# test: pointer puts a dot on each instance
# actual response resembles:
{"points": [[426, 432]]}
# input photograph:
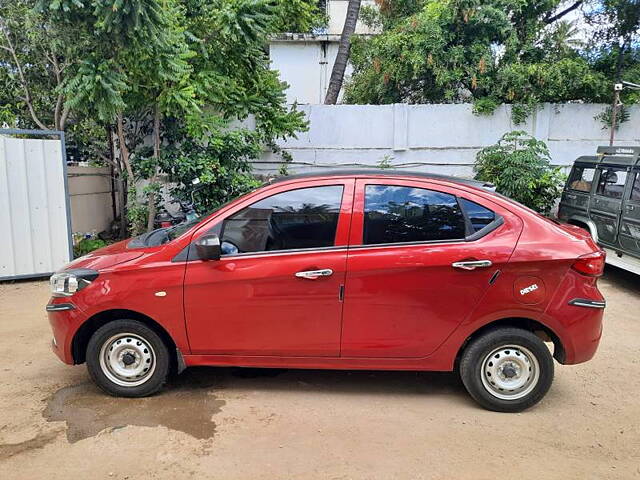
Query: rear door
{"points": [[606, 202], [629, 234], [421, 257]]}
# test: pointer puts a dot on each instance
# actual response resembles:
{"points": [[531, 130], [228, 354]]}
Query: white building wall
{"points": [[337, 12], [305, 61], [305, 64], [437, 138]]}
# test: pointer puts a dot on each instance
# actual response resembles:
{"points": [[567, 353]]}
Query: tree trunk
{"points": [[151, 203], [114, 171], [122, 147], [124, 165], [337, 73]]}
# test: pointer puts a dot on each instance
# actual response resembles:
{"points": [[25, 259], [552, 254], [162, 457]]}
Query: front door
{"points": [[421, 257], [629, 235], [606, 203], [277, 288]]}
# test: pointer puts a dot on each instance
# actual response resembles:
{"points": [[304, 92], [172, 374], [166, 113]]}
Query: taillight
{"points": [[591, 264]]}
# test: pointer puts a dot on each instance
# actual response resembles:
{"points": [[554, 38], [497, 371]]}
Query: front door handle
{"points": [[472, 264], [314, 274]]}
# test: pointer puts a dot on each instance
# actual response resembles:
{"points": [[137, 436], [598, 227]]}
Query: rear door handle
{"points": [[314, 274], [472, 264]]}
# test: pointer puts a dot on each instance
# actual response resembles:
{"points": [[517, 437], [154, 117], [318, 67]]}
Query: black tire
{"points": [[158, 365], [500, 343]]}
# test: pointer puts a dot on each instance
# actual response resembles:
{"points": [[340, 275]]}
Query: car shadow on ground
{"points": [[326, 381], [190, 401]]}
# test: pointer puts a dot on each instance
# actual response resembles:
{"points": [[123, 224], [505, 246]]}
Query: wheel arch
{"points": [[88, 328], [585, 223], [542, 331]]}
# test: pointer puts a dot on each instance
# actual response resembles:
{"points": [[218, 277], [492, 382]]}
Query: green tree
{"points": [[186, 73], [487, 52], [35, 60]]}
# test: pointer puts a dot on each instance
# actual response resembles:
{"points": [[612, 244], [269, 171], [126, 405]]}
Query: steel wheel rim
{"points": [[510, 372], [118, 351]]}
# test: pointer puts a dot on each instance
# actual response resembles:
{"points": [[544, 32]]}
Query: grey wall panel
{"points": [[7, 254], [33, 210]]}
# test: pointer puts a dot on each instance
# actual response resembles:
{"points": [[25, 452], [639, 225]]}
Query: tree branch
{"points": [[562, 13]]}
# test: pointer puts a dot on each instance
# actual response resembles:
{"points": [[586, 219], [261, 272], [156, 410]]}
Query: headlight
{"points": [[68, 282]]}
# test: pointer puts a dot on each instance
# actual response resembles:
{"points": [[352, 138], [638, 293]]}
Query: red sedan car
{"points": [[351, 270]]}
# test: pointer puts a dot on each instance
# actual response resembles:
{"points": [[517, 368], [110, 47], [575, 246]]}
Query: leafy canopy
{"points": [[491, 52]]}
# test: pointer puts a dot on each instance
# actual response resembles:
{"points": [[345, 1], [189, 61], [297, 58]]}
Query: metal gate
{"points": [[35, 219]]}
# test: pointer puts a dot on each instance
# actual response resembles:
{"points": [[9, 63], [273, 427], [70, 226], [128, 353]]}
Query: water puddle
{"points": [[187, 405]]}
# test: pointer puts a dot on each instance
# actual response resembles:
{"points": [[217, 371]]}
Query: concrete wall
{"points": [[90, 195], [437, 138]]}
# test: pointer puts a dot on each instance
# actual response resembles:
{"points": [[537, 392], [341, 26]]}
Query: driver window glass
{"points": [[581, 179], [611, 182], [303, 218]]}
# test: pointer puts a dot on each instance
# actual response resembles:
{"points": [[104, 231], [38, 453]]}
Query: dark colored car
{"points": [[350, 270], [602, 195]]}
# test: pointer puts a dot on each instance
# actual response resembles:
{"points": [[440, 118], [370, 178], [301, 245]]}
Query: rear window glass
{"points": [[479, 216], [635, 192], [396, 214], [611, 182], [581, 179]]}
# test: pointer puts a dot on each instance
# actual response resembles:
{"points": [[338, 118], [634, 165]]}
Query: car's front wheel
{"points": [[507, 369], [126, 358]]}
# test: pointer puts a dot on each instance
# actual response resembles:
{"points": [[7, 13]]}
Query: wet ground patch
{"points": [[187, 405]]}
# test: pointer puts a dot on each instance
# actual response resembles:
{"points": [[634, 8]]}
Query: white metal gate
{"points": [[35, 221]]}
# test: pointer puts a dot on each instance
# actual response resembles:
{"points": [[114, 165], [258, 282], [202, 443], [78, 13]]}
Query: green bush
{"points": [[87, 245], [520, 167]]}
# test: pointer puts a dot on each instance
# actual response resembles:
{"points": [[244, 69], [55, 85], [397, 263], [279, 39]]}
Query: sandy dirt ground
{"points": [[275, 424]]}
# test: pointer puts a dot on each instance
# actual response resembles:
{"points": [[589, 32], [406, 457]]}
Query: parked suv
{"points": [[351, 270], [602, 195]]}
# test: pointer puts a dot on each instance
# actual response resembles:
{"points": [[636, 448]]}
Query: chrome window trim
{"points": [[292, 251]]}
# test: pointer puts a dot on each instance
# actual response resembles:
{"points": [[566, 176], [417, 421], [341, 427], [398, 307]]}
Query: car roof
{"points": [[625, 156], [372, 172]]}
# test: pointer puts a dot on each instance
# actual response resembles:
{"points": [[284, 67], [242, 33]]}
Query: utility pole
{"points": [[617, 88]]}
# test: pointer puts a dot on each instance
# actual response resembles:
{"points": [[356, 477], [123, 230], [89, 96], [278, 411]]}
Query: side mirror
{"points": [[208, 247]]}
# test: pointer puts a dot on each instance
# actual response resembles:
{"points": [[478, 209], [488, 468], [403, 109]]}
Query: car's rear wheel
{"points": [[507, 369], [126, 358]]}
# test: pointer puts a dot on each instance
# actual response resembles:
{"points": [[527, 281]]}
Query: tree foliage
{"points": [[182, 87], [492, 51]]}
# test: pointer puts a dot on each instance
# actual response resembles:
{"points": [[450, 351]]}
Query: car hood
{"points": [[106, 257]]}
